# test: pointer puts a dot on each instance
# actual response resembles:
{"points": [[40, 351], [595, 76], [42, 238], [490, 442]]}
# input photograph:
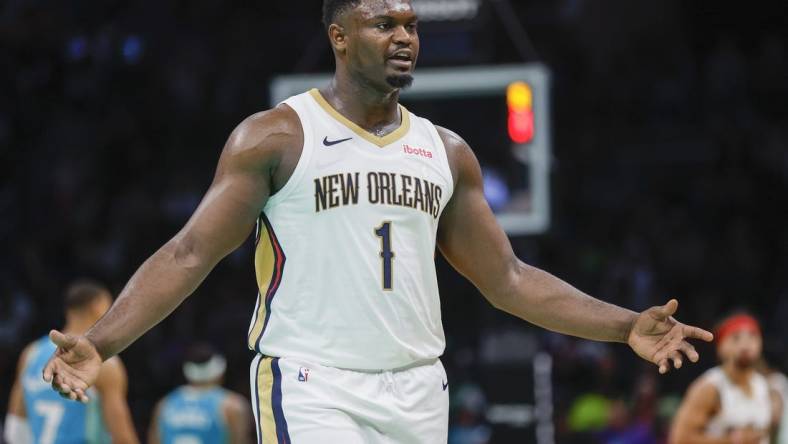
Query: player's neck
{"points": [[202, 385], [738, 375], [365, 105]]}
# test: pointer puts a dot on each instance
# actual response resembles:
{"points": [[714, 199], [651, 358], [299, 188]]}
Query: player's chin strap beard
{"points": [[400, 81]]}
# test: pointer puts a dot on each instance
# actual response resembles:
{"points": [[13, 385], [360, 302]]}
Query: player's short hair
{"points": [[333, 8], [83, 292], [203, 364], [199, 353]]}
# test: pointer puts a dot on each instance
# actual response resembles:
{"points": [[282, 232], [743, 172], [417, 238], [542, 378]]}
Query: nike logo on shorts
{"points": [[327, 142], [445, 385]]}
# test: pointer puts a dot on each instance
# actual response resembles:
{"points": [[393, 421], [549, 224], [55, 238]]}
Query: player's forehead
{"points": [[369, 9]]}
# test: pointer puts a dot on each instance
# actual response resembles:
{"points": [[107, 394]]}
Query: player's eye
{"points": [[413, 27], [383, 26]]}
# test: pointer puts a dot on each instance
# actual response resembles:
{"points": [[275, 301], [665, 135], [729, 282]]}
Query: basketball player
{"points": [[38, 415], [351, 194], [732, 403], [201, 411]]}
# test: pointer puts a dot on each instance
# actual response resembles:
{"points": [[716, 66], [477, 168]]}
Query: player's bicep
{"points": [[229, 210], [469, 235]]}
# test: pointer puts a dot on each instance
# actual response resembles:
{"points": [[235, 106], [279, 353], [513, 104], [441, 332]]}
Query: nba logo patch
{"points": [[303, 374]]}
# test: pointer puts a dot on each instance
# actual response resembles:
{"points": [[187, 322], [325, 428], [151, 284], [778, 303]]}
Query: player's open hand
{"points": [[659, 338], [73, 367]]}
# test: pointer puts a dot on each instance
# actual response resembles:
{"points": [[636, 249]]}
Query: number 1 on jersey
{"points": [[386, 255]]}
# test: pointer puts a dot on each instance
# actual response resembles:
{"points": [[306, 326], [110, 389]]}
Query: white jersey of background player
{"points": [[352, 195], [732, 403]]}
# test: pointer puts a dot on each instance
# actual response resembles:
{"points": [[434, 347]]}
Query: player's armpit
{"points": [[700, 404], [237, 412], [112, 384]]}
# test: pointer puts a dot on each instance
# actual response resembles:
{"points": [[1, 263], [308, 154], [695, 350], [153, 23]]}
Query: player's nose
{"points": [[402, 36]]}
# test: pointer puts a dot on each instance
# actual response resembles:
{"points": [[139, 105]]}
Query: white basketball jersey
{"points": [[345, 255], [738, 410]]}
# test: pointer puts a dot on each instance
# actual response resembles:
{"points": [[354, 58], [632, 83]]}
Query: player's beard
{"points": [[400, 81], [743, 362]]}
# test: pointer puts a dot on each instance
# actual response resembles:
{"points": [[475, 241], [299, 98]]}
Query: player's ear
{"points": [[338, 37]]}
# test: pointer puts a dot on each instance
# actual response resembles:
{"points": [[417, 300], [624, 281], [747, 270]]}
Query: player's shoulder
{"points": [[234, 402], [26, 354], [462, 160], [265, 131], [704, 390], [451, 140]]}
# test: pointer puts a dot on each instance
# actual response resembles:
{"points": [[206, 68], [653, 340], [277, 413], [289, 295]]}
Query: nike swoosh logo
{"points": [[445, 385], [327, 142]]}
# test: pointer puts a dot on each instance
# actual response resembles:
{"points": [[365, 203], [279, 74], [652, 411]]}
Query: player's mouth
{"points": [[402, 59]]}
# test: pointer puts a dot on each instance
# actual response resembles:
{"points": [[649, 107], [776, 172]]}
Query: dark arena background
{"points": [[665, 127]]}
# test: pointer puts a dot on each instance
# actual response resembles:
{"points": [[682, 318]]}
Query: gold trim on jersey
{"points": [[381, 142], [269, 262], [265, 384]]}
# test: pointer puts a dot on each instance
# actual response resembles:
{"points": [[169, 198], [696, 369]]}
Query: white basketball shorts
{"points": [[297, 402]]}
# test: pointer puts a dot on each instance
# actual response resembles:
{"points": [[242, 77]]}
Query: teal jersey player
{"points": [[193, 416], [52, 418], [37, 414], [202, 412]]}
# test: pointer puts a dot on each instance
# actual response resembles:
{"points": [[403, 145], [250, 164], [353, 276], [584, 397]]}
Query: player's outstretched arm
{"points": [[223, 220], [472, 241]]}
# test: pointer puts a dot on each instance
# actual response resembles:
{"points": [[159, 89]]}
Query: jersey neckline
{"points": [[381, 142]]}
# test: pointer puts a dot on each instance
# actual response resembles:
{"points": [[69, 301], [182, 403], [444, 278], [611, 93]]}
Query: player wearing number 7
{"points": [[38, 415], [351, 194]]}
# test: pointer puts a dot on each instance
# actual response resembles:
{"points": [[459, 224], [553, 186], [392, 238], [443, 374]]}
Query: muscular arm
{"points": [[260, 151], [112, 384], [473, 242], [223, 220], [237, 412]]}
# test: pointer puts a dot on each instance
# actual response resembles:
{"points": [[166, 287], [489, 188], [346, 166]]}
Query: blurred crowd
{"points": [[670, 180]]}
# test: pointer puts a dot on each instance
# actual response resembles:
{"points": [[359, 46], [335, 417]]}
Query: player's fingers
{"points": [[49, 370], [665, 311], [663, 366], [697, 333], [60, 385], [689, 350], [675, 356], [62, 340], [81, 396]]}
